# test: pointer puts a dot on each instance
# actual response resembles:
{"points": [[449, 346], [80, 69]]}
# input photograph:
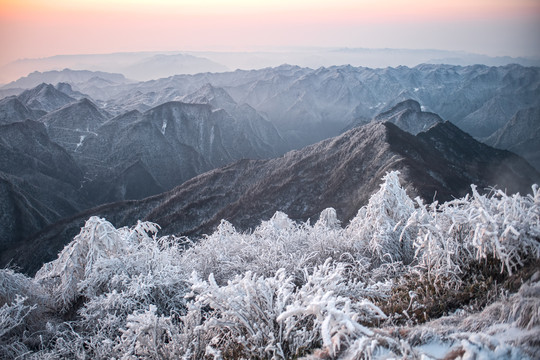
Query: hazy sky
{"points": [[40, 28]]}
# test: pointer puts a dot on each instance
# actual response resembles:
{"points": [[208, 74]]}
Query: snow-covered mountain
{"points": [[308, 105]]}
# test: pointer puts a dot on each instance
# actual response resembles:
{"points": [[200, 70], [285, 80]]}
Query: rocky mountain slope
{"points": [[71, 124], [520, 135], [341, 172], [39, 181], [44, 97], [13, 110], [408, 116], [168, 145], [266, 135]]}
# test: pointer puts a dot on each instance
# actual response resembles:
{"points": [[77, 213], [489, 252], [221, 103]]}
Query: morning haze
{"points": [[36, 29]]}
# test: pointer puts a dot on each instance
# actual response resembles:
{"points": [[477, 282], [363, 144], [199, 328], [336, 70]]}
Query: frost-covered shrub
{"points": [[453, 235], [101, 259], [334, 318], [278, 243], [291, 289], [241, 316], [269, 317], [97, 239], [24, 310], [506, 227], [148, 336], [13, 325], [377, 229]]}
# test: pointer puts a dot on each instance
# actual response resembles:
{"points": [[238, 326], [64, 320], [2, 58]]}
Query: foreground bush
{"points": [[404, 279]]}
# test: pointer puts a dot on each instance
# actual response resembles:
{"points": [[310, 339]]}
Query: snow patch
{"points": [[81, 139], [434, 350], [164, 126]]}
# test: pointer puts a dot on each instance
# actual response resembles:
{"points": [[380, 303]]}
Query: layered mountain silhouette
{"points": [[64, 76], [341, 172], [164, 65], [307, 105]]}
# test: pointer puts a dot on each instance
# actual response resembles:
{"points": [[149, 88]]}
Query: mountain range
{"points": [[340, 172], [307, 105], [58, 163], [151, 65], [188, 151]]}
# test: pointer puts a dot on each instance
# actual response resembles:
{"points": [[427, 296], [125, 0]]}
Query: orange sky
{"points": [[39, 28]]}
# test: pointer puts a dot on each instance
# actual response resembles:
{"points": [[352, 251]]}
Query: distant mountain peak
{"points": [[64, 86], [408, 116], [37, 78], [13, 110], [70, 124], [409, 104], [45, 97], [212, 95]]}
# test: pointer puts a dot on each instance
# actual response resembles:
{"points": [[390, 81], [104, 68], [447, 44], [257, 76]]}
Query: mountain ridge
{"points": [[340, 172]]}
